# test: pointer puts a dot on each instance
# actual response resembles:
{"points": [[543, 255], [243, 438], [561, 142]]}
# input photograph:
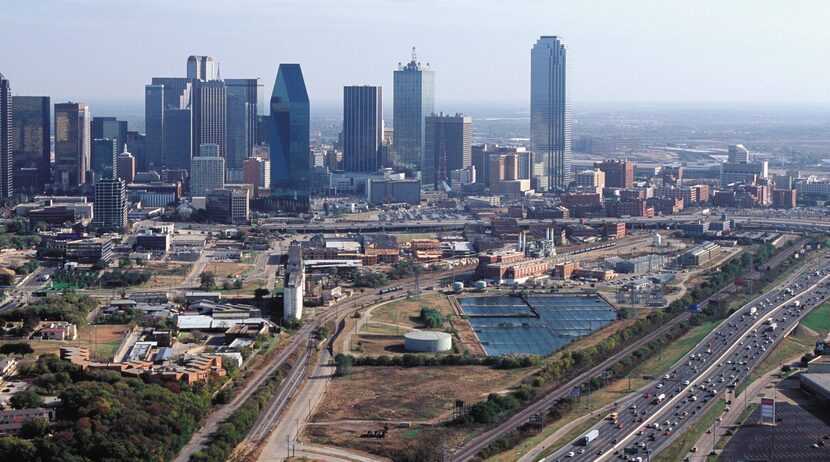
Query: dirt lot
{"points": [[410, 394], [397, 442], [228, 269], [406, 312], [101, 339]]}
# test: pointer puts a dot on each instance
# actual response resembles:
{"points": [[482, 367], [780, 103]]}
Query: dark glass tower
{"points": [[104, 158], [6, 188], [242, 118], [413, 101], [289, 135], [362, 128], [550, 114], [448, 147], [31, 142], [110, 127], [178, 138]]}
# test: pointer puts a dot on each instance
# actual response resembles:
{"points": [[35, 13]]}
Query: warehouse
{"points": [[700, 254]]}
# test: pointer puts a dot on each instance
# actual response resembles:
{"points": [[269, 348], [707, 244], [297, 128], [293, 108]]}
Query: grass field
{"points": [[818, 319], [412, 394], [102, 339], [783, 352], [682, 445], [407, 312], [383, 329], [228, 269]]}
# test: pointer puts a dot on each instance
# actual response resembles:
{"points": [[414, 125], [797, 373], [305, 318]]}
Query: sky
{"points": [[633, 51]]}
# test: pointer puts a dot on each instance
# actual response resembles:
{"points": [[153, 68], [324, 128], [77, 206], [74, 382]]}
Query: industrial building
{"points": [[640, 264], [700, 254]]}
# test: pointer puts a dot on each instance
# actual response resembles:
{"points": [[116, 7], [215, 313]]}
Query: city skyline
{"points": [[646, 51]]}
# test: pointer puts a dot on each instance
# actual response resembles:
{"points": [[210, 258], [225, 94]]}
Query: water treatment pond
{"points": [[537, 325]]}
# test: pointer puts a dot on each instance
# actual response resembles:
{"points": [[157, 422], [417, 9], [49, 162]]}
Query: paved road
{"points": [[723, 358]]}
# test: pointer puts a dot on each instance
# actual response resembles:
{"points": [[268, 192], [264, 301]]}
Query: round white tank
{"points": [[657, 240], [481, 285], [427, 341], [457, 286]]}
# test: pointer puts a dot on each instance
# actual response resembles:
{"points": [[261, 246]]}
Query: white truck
{"points": [[659, 398], [772, 326], [796, 303], [590, 436], [752, 311]]}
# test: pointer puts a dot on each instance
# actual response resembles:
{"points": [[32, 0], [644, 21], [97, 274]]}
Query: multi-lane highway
{"points": [[721, 361]]}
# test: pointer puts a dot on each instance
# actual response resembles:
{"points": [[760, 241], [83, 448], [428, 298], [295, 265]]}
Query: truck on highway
{"points": [[590, 436], [614, 416], [772, 326], [796, 303], [752, 311], [659, 398]]}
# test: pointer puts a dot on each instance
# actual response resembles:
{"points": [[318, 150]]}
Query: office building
{"points": [[784, 198], [739, 168], [590, 179], [103, 160], [207, 172], [618, 173], [209, 104], [294, 284], [737, 154], [413, 101], [362, 128], [72, 144], [126, 166], [201, 68], [178, 138], [109, 127], [31, 143], [288, 130], [243, 102], [550, 114], [165, 93], [393, 191], [257, 172], [136, 143], [110, 206], [228, 205], [448, 147], [6, 175]]}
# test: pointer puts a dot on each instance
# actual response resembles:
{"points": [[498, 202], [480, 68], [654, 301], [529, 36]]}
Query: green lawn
{"points": [[818, 319], [675, 351], [682, 445]]}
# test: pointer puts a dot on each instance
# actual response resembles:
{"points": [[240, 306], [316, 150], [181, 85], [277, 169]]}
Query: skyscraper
{"points": [[72, 143], [104, 155], [257, 172], [110, 206], [209, 106], [109, 127], [178, 138], [413, 101], [362, 128], [206, 171], [31, 142], [6, 187], [289, 135], [448, 146], [550, 114], [126, 166], [242, 107], [201, 68], [153, 127]]}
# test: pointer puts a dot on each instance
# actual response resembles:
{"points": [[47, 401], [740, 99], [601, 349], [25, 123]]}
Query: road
{"points": [[19, 296], [722, 359]]}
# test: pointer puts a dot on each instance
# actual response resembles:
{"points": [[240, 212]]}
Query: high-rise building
{"points": [[104, 155], [165, 93], [413, 101], [243, 107], [136, 144], [550, 114], [738, 154], [206, 173], [210, 115], [362, 128], [126, 166], [289, 138], [178, 138], [618, 173], [448, 146], [257, 172], [6, 175], [110, 206], [109, 127], [31, 143], [228, 205], [201, 68], [72, 143]]}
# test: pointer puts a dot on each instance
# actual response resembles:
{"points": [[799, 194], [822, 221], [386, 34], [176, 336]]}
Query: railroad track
{"points": [[269, 416]]}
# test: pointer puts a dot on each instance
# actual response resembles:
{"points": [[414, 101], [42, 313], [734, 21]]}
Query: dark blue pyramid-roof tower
{"points": [[289, 136]]}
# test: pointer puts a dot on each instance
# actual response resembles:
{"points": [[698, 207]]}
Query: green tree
{"points": [[16, 449], [207, 280], [34, 428], [26, 399], [343, 365]]}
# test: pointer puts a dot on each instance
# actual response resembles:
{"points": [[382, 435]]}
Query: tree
{"points": [[237, 283], [207, 280], [34, 428], [100, 265], [343, 365], [12, 448], [26, 399], [261, 293], [17, 348]]}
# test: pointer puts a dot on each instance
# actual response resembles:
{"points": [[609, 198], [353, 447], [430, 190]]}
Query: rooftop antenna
{"points": [[414, 55], [218, 72]]}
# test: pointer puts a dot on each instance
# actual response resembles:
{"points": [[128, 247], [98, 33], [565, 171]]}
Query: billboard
{"points": [[768, 408]]}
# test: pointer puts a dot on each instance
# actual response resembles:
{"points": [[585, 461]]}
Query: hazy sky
{"points": [[619, 51]]}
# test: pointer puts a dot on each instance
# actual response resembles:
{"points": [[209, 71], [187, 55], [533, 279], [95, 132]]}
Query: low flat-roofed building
{"points": [[700, 254], [12, 420], [89, 250]]}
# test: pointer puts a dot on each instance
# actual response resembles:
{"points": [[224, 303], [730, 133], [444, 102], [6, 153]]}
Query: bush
{"points": [[343, 365], [431, 318]]}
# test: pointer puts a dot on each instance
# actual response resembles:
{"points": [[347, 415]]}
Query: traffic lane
{"points": [[730, 331]]}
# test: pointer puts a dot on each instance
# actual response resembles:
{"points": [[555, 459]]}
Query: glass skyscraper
{"points": [[178, 138], [550, 115], [104, 158], [448, 147], [288, 131], [73, 144], [31, 142], [362, 128], [243, 96], [413, 101], [6, 188]]}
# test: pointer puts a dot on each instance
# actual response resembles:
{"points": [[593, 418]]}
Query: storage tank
{"points": [[481, 285], [457, 286], [657, 240], [427, 341]]}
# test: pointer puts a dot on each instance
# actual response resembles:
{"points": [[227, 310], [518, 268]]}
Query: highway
{"points": [[722, 359]]}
